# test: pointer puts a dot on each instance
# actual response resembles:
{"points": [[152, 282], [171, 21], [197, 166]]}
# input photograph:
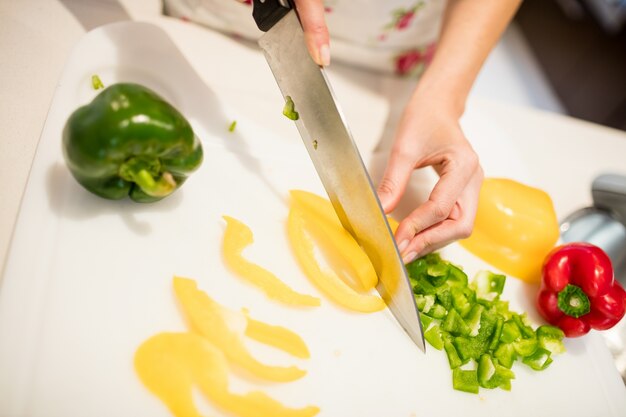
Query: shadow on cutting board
{"points": [[67, 199]]}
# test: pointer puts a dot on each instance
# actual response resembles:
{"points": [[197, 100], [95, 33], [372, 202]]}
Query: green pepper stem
{"points": [[573, 301], [155, 188]]}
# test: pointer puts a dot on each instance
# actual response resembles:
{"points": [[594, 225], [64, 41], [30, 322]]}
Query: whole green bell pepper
{"points": [[130, 142]]}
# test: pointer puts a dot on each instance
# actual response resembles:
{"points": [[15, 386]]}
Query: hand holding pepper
{"points": [[578, 291]]}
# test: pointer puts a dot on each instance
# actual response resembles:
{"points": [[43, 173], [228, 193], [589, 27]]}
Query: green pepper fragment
{"points": [[424, 302], [505, 354], [524, 326], [497, 332], [551, 338], [539, 360], [437, 311], [426, 321], [525, 347], [289, 110], [453, 356], [460, 301], [433, 337], [492, 375], [130, 142], [488, 285], [455, 325], [445, 298], [473, 319], [456, 277], [232, 126], [466, 381], [96, 82], [510, 332]]}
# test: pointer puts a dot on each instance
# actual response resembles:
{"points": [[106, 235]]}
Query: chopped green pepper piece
{"points": [[96, 82], [445, 298], [473, 319], [453, 356], [551, 338], [437, 311], [456, 277], [424, 302], [290, 109], [465, 380], [426, 320], [510, 332], [539, 360], [460, 301], [497, 331], [232, 126], [489, 285], [505, 354], [521, 321], [455, 325], [525, 347], [492, 375], [433, 336]]}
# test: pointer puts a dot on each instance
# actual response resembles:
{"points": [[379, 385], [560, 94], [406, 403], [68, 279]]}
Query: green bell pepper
{"points": [[130, 142]]}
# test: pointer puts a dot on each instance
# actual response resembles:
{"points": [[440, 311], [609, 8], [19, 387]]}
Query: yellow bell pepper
{"points": [[342, 251], [299, 227], [515, 228], [236, 237], [171, 364], [224, 329]]}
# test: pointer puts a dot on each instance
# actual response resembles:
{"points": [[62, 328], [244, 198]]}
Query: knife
{"points": [[335, 156]]}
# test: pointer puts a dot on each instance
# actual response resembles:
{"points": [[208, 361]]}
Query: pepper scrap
{"points": [[130, 142], [578, 292], [515, 228]]}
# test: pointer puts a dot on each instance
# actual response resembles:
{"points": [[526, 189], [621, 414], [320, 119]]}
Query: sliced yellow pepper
{"points": [[216, 323], [515, 228], [327, 281], [236, 238], [341, 250], [278, 337], [171, 364]]}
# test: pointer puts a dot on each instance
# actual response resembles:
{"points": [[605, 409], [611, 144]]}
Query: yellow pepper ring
{"points": [[328, 282]]}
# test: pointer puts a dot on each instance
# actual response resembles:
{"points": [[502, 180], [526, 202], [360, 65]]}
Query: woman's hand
{"points": [[429, 135]]}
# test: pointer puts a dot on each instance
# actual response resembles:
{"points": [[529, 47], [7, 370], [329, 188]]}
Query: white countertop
{"points": [[37, 36]]}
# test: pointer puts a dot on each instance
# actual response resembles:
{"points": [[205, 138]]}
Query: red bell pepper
{"points": [[578, 291]]}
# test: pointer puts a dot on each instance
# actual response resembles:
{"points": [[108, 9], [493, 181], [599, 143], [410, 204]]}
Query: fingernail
{"points": [[409, 257], [402, 246], [325, 55]]}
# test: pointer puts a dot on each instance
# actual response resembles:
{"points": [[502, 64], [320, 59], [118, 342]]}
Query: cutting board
{"points": [[87, 280]]}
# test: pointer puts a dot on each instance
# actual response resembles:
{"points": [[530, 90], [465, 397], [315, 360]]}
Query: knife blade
{"points": [[335, 156]]}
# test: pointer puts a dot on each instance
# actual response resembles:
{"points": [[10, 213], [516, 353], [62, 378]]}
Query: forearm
{"points": [[470, 30]]}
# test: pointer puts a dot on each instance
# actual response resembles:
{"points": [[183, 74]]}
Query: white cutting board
{"points": [[87, 280]]}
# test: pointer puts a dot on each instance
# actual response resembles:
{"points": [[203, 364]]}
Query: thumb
{"points": [[311, 13], [394, 181]]}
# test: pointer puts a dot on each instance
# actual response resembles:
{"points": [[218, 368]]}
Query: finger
{"points": [[455, 177], [459, 225], [433, 238], [395, 179], [311, 13]]}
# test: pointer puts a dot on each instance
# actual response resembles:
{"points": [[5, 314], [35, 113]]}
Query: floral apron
{"points": [[396, 36]]}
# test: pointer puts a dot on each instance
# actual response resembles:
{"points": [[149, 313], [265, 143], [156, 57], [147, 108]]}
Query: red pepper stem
{"points": [[573, 301]]}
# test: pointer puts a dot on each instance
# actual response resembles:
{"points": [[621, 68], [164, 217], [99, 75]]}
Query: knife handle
{"points": [[267, 13]]}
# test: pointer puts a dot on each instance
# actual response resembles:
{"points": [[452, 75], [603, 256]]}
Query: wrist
{"points": [[440, 99]]}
